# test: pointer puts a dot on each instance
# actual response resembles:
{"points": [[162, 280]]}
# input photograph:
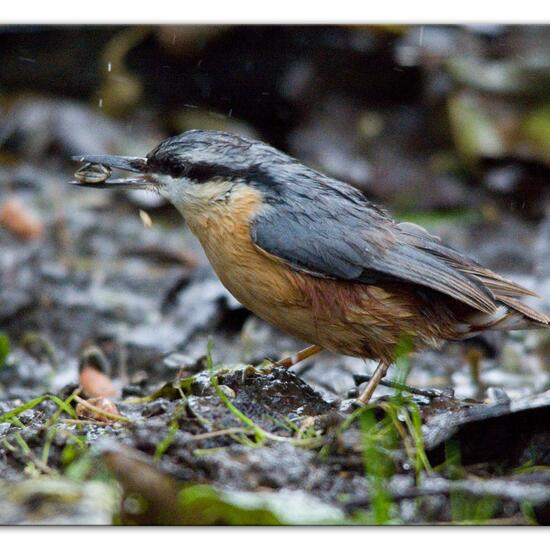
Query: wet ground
{"points": [[192, 433]]}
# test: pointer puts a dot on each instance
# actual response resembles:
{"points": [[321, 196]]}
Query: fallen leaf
{"points": [[98, 403], [95, 383], [18, 219]]}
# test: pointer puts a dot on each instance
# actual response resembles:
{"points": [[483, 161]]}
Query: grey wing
{"points": [[352, 240]]}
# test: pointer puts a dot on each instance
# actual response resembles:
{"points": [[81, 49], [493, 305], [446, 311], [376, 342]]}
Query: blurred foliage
{"points": [[4, 349]]}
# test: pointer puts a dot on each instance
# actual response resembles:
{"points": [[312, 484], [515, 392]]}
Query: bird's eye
{"points": [[201, 173], [167, 166]]}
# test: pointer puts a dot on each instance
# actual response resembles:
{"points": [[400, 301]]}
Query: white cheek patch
{"points": [[170, 186], [184, 194]]}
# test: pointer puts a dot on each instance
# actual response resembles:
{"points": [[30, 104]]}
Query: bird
{"points": [[313, 256]]}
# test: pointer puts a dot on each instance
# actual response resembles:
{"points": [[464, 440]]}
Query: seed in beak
{"points": [[93, 173]]}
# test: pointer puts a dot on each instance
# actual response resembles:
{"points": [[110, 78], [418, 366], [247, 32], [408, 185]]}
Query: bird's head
{"points": [[195, 169]]}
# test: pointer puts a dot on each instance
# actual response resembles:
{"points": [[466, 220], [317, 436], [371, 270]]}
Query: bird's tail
{"points": [[511, 314]]}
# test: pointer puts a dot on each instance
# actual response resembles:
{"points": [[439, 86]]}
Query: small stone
{"points": [[497, 395], [154, 409]]}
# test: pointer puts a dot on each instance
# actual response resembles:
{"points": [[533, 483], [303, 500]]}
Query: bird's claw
{"points": [[349, 406]]}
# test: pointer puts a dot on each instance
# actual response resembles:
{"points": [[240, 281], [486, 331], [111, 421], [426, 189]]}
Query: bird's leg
{"points": [[379, 373], [474, 357], [288, 362]]}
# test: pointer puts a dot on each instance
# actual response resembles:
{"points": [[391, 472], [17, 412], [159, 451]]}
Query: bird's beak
{"points": [[129, 164]]}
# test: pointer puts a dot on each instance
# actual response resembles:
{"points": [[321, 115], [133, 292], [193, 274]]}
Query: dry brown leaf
{"points": [[19, 220], [95, 383], [99, 403]]}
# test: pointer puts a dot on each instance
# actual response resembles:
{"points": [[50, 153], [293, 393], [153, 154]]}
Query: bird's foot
{"points": [[349, 406]]}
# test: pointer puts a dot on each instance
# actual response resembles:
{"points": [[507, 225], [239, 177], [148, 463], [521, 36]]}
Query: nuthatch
{"points": [[314, 257]]}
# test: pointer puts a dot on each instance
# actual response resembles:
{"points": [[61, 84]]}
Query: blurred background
{"points": [[446, 126]]}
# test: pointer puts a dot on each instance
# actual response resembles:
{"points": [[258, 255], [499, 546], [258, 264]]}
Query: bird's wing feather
{"points": [[345, 237], [501, 287]]}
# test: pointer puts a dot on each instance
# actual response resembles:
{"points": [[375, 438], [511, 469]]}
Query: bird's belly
{"points": [[264, 287], [343, 317]]}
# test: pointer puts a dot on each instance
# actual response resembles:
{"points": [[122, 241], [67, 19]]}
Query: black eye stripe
{"points": [[201, 173], [168, 167]]}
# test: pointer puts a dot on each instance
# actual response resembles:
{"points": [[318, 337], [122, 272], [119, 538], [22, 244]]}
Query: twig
{"points": [[26, 452], [218, 433], [431, 393]]}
